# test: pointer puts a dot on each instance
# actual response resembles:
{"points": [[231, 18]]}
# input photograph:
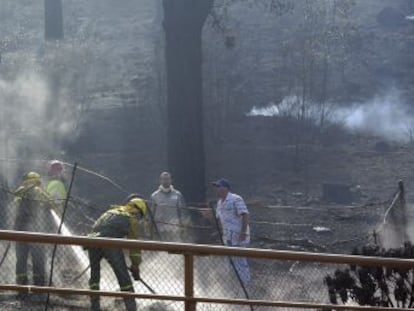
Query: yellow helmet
{"points": [[31, 176], [139, 204], [31, 179]]}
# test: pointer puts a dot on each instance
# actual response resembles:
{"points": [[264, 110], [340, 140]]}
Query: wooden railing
{"points": [[189, 251]]}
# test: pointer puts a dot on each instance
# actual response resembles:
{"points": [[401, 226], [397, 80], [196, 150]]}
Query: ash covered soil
{"points": [[284, 198], [286, 201], [9, 302]]}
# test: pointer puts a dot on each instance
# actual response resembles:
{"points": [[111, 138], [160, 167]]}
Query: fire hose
{"points": [[151, 216], [136, 278], [147, 286], [81, 274]]}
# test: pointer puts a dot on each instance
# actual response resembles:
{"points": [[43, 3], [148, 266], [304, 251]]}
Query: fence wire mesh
{"points": [[163, 273]]}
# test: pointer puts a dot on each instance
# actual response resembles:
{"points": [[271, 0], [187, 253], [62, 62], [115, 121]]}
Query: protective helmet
{"points": [[55, 168], [130, 197], [31, 176], [139, 204], [31, 179]]}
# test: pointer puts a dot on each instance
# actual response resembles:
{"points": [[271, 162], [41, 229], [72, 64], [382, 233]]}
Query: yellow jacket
{"points": [[118, 222]]}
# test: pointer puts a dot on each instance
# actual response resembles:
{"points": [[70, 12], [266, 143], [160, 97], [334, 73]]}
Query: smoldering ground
{"points": [[387, 116]]}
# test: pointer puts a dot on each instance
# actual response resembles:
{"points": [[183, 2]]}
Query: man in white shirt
{"points": [[167, 206], [234, 220]]}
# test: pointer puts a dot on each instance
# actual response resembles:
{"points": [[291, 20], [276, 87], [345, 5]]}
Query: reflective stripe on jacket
{"points": [[119, 222]]}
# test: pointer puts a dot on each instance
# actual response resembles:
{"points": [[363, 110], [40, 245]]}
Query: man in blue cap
{"points": [[234, 219]]}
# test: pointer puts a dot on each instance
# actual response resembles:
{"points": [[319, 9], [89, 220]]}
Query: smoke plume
{"points": [[35, 121], [383, 116]]}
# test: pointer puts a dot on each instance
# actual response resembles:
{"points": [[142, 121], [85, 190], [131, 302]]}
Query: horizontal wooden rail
{"points": [[203, 250], [190, 250], [264, 303]]}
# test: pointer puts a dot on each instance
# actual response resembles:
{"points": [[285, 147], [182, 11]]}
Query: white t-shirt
{"points": [[229, 212], [168, 206]]}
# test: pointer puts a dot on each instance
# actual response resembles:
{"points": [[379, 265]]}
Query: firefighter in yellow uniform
{"points": [[119, 221], [33, 207], [56, 186]]}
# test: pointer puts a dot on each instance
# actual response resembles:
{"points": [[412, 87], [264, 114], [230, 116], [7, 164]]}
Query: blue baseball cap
{"points": [[222, 182]]}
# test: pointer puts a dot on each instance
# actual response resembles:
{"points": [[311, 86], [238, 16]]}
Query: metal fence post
{"points": [[189, 282]]}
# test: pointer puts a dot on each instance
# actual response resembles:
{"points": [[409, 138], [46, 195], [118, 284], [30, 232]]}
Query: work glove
{"points": [[135, 272]]}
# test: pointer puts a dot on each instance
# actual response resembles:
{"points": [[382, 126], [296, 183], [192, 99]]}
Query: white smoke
{"points": [[23, 102], [269, 111], [289, 106], [384, 116], [33, 124]]}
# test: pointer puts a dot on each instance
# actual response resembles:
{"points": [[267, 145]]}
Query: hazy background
{"points": [[293, 97], [296, 94]]}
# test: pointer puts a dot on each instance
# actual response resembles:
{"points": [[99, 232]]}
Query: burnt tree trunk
{"points": [[183, 24], [53, 20]]}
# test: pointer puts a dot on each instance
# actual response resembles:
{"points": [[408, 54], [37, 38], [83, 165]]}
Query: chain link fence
{"points": [[304, 280], [162, 273]]}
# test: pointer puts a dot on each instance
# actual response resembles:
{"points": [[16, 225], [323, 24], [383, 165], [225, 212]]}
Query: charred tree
{"points": [[391, 287], [183, 24], [53, 20]]}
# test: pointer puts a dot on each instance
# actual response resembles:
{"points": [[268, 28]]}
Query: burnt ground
{"points": [[259, 155], [9, 303], [318, 229], [286, 204], [266, 161], [284, 189]]}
